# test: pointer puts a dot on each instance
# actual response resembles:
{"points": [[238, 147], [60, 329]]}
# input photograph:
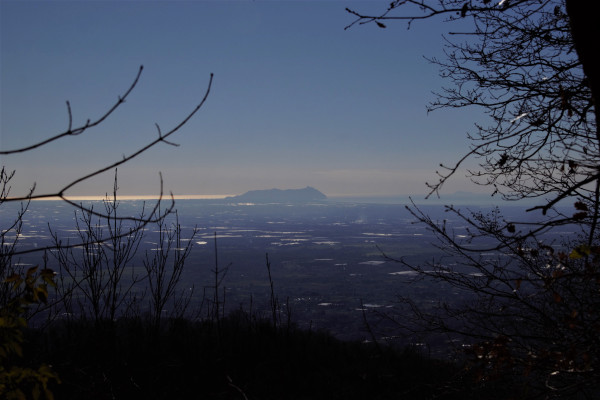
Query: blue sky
{"points": [[296, 99]]}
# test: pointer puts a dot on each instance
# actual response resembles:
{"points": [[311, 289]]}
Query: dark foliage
{"points": [[534, 285], [246, 358]]}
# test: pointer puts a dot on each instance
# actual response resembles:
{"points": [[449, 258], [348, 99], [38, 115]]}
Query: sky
{"points": [[296, 99]]}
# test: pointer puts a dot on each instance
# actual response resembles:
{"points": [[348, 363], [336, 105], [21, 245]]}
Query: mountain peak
{"points": [[304, 195]]}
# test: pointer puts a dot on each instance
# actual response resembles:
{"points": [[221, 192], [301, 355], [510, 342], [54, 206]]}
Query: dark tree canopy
{"points": [[533, 299], [518, 62], [96, 276]]}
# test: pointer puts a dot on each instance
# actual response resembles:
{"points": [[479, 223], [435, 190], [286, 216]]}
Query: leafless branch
{"points": [[155, 214], [79, 130]]}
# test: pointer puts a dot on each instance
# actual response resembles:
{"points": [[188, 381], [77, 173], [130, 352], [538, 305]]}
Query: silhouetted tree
{"points": [[99, 274], [533, 302], [164, 266], [102, 281], [10, 233], [517, 63], [61, 193], [97, 277]]}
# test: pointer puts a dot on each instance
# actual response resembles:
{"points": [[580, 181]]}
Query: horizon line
{"points": [[140, 197], [223, 196], [200, 197]]}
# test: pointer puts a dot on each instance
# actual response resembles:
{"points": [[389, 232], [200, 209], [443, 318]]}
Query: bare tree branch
{"points": [[155, 215], [79, 130], [525, 295]]}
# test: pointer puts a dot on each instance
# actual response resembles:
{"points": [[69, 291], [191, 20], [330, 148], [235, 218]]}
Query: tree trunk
{"points": [[585, 29]]}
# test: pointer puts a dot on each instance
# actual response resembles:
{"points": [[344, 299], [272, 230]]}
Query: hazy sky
{"points": [[296, 99]]}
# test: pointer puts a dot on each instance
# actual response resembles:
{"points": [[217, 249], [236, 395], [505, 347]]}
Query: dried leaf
{"points": [[557, 298], [518, 283]]}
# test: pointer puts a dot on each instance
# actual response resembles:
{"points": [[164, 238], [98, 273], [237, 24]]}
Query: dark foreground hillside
{"points": [[235, 358]]}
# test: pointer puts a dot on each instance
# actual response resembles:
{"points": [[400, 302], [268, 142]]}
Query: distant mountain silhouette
{"points": [[279, 196]]}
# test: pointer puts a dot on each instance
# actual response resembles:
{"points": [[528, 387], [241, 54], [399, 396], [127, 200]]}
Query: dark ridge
{"points": [[237, 357]]}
